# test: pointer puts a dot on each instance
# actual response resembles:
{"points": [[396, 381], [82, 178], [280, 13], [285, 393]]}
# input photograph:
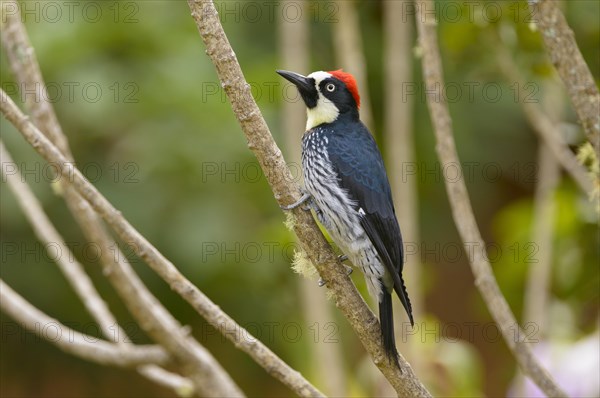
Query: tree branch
{"points": [[47, 234], [285, 191], [206, 374], [537, 287], [567, 59], [182, 386], [131, 289], [73, 342], [23, 62], [553, 139], [536, 302], [543, 126], [461, 206], [214, 380], [143, 249]]}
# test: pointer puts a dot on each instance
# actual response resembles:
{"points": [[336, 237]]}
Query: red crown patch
{"points": [[350, 83]]}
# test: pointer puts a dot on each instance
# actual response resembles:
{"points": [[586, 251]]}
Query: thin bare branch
{"points": [[182, 386], [163, 267], [543, 126], [538, 284], [21, 57], [552, 137], [121, 276], [206, 374], [23, 62], [461, 206], [538, 281], [539, 275], [73, 342], [116, 267], [285, 191], [570, 65], [47, 234], [73, 270]]}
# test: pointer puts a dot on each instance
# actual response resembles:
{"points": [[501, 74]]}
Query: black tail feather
{"points": [[386, 318], [403, 296]]}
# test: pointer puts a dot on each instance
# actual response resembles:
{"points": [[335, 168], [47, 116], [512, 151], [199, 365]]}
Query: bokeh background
{"points": [[150, 126]]}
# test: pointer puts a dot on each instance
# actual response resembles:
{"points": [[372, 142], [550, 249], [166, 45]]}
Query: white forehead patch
{"points": [[319, 76], [325, 111]]}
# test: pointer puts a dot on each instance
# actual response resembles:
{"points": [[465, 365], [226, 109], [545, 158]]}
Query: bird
{"points": [[346, 185]]}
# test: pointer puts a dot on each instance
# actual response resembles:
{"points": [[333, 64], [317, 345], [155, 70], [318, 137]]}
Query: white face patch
{"points": [[325, 111], [319, 76]]}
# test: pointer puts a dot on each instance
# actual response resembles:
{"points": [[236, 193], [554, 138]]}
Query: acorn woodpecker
{"points": [[348, 188]]}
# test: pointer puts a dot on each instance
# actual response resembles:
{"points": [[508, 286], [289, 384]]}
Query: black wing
{"points": [[361, 171]]}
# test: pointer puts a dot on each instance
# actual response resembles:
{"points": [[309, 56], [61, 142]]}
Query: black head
{"points": [[327, 95]]}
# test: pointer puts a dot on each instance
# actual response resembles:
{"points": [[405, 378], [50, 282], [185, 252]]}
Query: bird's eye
{"points": [[330, 87]]}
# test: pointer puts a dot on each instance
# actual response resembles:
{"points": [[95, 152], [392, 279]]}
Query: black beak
{"points": [[305, 85], [302, 82]]}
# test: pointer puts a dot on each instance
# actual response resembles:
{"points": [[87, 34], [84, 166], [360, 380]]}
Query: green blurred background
{"points": [[149, 125]]}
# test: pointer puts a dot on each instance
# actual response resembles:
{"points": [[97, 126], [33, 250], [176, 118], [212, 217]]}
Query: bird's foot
{"points": [[305, 197], [349, 270]]}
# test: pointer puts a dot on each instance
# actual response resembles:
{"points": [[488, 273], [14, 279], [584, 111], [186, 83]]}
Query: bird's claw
{"points": [[305, 196], [321, 282]]}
